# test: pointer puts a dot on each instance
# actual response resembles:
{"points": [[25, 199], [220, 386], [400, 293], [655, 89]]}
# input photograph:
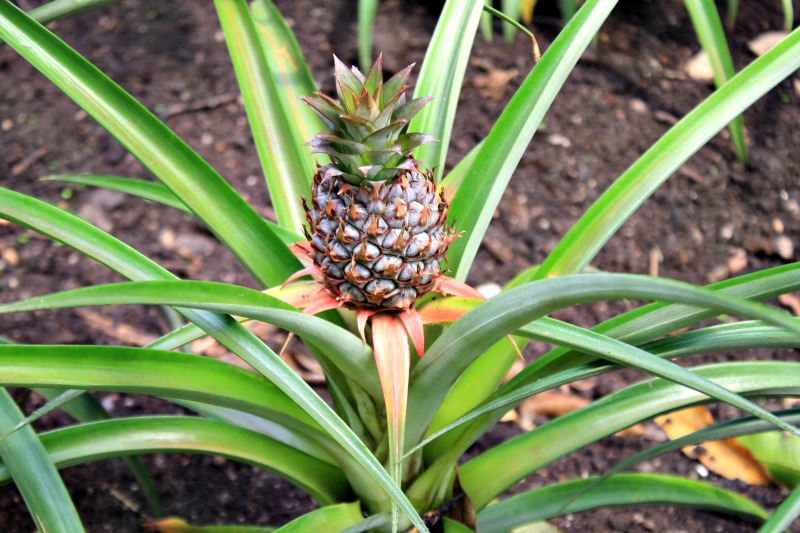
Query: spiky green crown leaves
{"points": [[367, 139]]}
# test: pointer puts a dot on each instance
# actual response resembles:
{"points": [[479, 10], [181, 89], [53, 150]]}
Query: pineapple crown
{"points": [[367, 139]]}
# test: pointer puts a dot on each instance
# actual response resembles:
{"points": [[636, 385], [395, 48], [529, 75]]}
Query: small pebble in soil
{"points": [[784, 247]]}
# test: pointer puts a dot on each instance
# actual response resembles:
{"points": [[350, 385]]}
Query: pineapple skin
{"points": [[379, 245], [377, 224]]}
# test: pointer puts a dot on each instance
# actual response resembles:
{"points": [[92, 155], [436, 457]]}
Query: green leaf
{"points": [[287, 167], [727, 337], [652, 321], [732, 12], [97, 244], [59, 9], [156, 372], [552, 331], [779, 453], [451, 526], [450, 184], [623, 489], [785, 515], [36, 477], [133, 436], [512, 10], [155, 192], [736, 336], [788, 14], [724, 430], [630, 190], [479, 194], [470, 336], [161, 151], [331, 519], [87, 408], [64, 397], [290, 71], [442, 75], [487, 475], [366, 21], [708, 26], [347, 350]]}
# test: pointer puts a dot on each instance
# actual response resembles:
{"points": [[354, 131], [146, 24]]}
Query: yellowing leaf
{"points": [[725, 457], [173, 524]]}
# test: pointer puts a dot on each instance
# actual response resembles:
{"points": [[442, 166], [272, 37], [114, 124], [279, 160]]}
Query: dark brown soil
{"points": [[625, 93]]}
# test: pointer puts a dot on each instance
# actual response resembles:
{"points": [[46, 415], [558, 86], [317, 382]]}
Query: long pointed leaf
{"points": [[727, 337], [287, 168], [485, 476], [657, 319], [132, 436], [613, 208], [289, 68], [392, 356], [479, 194], [87, 408], [36, 477], [366, 23], [156, 372], [623, 489], [64, 397], [160, 150], [441, 76], [465, 340], [551, 331], [59, 9], [349, 351], [725, 430], [332, 518], [102, 247], [708, 26], [785, 515]]}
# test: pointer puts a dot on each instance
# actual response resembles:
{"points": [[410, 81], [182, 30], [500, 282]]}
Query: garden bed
{"points": [[714, 219]]}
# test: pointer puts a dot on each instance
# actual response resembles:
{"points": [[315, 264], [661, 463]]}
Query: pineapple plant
{"points": [[378, 226], [391, 440]]}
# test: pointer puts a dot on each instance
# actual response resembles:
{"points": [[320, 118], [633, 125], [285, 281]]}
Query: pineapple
{"points": [[377, 225]]}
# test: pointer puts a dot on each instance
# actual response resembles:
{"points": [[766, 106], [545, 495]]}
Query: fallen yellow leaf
{"points": [[724, 457]]}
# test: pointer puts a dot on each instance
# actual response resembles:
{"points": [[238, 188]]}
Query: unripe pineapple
{"points": [[377, 223]]}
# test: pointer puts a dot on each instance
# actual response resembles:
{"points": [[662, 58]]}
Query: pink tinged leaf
{"points": [[392, 357], [413, 324], [308, 271], [302, 251], [322, 302], [361, 321], [452, 286]]}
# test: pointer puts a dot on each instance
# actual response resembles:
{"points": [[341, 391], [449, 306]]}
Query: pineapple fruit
{"points": [[377, 224]]}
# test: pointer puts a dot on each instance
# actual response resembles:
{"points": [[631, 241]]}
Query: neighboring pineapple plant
{"points": [[377, 223]]}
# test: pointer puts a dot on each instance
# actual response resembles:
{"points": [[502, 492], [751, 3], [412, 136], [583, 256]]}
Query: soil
{"points": [[713, 219]]}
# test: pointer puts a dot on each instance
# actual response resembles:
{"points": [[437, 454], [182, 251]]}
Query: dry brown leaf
{"points": [[552, 404], [725, 457], [791, 301], [107, 325], [494, 82]]}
